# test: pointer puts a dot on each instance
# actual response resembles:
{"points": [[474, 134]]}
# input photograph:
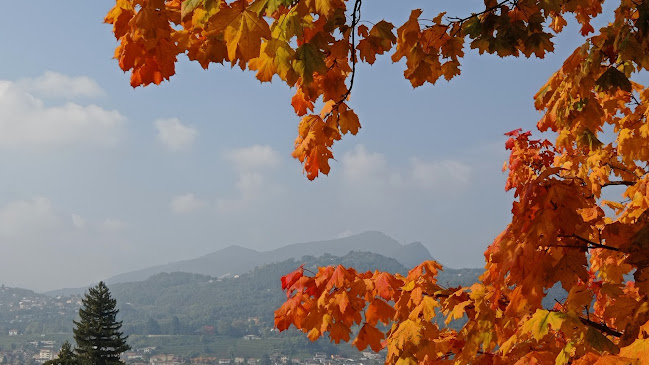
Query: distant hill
{"points": [[187, 303], [198, 300], [235, 260]]}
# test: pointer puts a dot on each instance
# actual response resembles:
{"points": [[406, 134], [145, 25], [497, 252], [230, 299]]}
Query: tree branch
{"points": [[487, 10], [590, 244], [623, 182], [356, 18], [600, 327]]}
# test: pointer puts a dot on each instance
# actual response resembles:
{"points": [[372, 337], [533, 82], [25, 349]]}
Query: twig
{"points": [[591, 243], [601, 327], [356, 15], [624, 182]]}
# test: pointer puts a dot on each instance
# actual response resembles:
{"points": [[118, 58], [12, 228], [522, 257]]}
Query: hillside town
{"points": [[39, 352]]}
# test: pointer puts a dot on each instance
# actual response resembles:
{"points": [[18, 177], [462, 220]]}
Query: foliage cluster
{"points": [[562, 229]]}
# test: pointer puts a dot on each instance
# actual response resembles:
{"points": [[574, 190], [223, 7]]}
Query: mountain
{"points": [[235, 260], [181, 303], [230, 260]]}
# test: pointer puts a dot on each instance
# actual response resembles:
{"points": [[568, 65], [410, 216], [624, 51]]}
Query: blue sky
{"points": [[99, 178]]}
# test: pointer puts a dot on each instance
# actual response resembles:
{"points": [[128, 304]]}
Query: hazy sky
{"points": [[99, 178]]}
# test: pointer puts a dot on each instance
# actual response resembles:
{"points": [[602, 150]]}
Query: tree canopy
{"points": [[564, 231]]}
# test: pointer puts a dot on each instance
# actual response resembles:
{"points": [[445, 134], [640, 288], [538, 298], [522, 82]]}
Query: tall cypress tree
{"points": [[97, 333]]}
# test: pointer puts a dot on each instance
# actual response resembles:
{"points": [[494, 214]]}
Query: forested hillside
{"points": [[188, 304]]}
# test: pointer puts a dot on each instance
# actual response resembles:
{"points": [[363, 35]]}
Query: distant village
{"points": [[38, 352], [19, 312]]}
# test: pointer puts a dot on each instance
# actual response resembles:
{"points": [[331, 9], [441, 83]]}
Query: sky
{"points": [[99, 178]]}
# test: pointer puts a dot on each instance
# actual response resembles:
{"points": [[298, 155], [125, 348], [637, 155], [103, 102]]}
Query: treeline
{"points": [[192, 304], [183, 303]]}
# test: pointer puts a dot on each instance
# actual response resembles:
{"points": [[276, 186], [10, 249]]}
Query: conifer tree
{"points": [[65, 357], [97, 333]]}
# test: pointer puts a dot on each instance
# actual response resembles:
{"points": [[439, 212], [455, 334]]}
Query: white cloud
{"points": [[447, 173], [175, 135], [56, 85], [253, 158], [112, 225], [186, 203], [25, 121], [78, 221], [27, 217], [251, 186], [371, 171], [359, 165], [252, 183]]}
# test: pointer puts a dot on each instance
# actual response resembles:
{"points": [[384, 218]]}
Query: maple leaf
{"points": [[347, 120], [120, 16], [289, 279], [377, 41], [539, 324], [369, 336], [638, 350], [408, 332], [600, 342], [379, 310], [383, 284], [612, 78], [426, 308], [308, 61], [188, 6], [339, 332], [243, 32]]}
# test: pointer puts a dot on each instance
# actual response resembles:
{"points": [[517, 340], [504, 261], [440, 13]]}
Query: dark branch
{"points": [[356, 18], [589, 243], [622, 169], [623, 182], [598, 326], [487, 10], [601, 327]]}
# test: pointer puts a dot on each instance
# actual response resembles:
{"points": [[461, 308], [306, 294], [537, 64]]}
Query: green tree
{"points": [[65, 357], [98, 336], [175, 326], [152, 327]]}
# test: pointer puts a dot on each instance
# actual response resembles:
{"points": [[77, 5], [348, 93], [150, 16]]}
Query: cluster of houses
{"points": [[38, 352], [364, 358]]}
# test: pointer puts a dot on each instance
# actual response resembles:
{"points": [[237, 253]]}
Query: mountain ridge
{"points": [[236, 260]]}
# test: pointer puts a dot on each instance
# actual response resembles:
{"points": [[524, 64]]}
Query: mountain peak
{"points": [[236, 259]]}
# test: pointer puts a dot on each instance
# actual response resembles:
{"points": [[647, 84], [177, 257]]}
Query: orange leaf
{"points": [[369, 336]]}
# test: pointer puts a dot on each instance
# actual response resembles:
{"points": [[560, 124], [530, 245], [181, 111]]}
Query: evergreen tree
{"points": [[65, 357], [98, 336]]}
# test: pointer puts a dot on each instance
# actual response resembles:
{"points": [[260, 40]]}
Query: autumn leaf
{"points": [[339, 332], [308, 61], [243, 34], [600, 342], [638, 350], [613, 78], [539, 324], [289, 279], [369, 336], [407, 333]]}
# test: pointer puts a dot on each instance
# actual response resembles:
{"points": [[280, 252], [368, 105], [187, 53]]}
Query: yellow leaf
{"points": [[539, 324], [638, 350], [408, 333]]}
